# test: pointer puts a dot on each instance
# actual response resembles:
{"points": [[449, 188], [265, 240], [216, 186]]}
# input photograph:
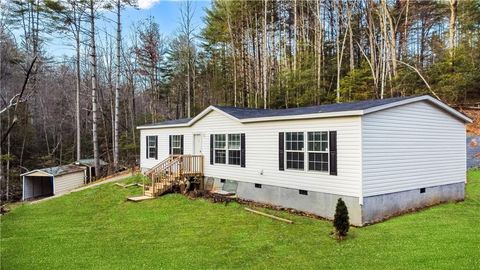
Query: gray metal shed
{"points": [[52, 181], [89, 163]]}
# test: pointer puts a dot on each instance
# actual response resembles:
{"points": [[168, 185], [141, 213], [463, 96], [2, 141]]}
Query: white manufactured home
{"points": [[52, 181], [382, 157]]}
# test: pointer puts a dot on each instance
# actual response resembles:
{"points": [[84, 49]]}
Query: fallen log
{"points": [[268, 215]]}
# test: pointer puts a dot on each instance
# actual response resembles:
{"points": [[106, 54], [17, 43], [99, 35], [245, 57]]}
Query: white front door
{"points": [[197, 144]]}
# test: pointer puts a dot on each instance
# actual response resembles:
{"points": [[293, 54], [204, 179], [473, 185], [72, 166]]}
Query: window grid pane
{"points": [[220, 156], [318, 141], [294, 146], [220, 141], [234, 157], [234, 141], [151, 146], [318, 162], [176, 144], [318, 151]]}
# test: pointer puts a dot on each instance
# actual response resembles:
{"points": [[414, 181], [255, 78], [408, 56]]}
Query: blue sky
{"points": [[165, 13]]}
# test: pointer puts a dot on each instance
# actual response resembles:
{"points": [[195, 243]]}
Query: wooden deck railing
{"points": [[172, 169]]}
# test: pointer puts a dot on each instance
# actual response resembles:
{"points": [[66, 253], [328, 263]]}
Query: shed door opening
{"points": [[38, 186]]}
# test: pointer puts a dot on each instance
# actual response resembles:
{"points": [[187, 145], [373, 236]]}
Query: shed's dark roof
{"points": [[90, 162], [244, 113], [60, 170], [169, 122]]}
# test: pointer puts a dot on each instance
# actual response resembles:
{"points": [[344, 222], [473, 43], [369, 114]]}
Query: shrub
{"points": [[341, 220]]}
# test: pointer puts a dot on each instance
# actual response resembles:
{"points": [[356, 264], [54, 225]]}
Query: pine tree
{"points": [[341, 220]]}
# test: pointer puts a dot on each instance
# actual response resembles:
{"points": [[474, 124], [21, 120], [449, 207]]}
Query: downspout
{"points": [[360, 199]]}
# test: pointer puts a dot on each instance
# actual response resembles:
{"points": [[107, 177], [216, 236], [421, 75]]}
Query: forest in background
{"points": [[261, 54]]}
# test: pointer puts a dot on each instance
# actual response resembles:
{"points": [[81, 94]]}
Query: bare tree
{"points": [[93, 65], [452, 27], [117, 87], [187, 13]]}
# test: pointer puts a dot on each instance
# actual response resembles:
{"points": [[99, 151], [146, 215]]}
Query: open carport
{"points": [[52, 181]]}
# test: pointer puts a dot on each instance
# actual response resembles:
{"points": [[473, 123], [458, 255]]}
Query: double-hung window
{"points": [[234, 149], [176, 144], [220, 148], [295, 150], [227, 149], [307, 147], [152, 146], [318, 151]]}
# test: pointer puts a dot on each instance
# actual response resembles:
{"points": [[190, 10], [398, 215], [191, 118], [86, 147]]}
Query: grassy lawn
{"points": [[97, 228]]}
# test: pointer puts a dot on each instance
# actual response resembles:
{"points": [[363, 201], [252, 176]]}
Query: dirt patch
{"points": [[474, 114]]}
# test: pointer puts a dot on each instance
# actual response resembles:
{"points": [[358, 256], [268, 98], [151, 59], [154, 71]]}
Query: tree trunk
{"points": [[234, 60], [117, 90], [93, 64], [452, 28], [7, 187], [265, 56]]}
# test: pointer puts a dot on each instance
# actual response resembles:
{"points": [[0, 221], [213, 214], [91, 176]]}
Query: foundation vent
{"points": [[422, 190], [303, 192], [258, 185]]}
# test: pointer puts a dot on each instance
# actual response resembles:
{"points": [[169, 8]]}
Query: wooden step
{"points": [[139, 198]]}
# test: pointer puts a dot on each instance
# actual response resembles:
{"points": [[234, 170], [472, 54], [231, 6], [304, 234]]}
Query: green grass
{"points": [[96, 228]]}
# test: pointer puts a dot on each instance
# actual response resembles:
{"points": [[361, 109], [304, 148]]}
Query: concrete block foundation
{"points": [[374, 208], [380, 207]]}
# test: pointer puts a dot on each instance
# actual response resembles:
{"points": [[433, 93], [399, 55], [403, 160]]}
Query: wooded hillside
{"points": [[262, 54]]}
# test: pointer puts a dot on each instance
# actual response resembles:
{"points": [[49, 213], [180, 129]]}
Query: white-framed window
{"points": [[152, 146], [307, 147], [317, 151], [234, 149], [294, 149], [177, 144], [227, 149], [220, 148]]}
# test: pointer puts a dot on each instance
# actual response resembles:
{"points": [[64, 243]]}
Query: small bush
{"points": [[341, 220]]}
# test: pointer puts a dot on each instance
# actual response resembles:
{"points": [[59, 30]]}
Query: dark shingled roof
{"points": [[244, 113]]}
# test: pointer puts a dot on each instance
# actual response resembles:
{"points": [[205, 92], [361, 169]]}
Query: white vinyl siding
{"points": [[66, 182], [261, 150], [411, 146]]}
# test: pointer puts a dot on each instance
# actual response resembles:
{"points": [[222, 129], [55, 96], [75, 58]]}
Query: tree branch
{"points": [[19, 100], [421, 76]]}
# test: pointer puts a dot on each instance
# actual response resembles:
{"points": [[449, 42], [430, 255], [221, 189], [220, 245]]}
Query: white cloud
{"points": [[146, 4]]}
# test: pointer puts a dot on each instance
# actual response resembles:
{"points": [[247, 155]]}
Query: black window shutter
{"points": [[242, 150], [333, 152], [281, 152], [147, 145], [211, 149], [181, 150], [170, 144], [156, 147]]}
